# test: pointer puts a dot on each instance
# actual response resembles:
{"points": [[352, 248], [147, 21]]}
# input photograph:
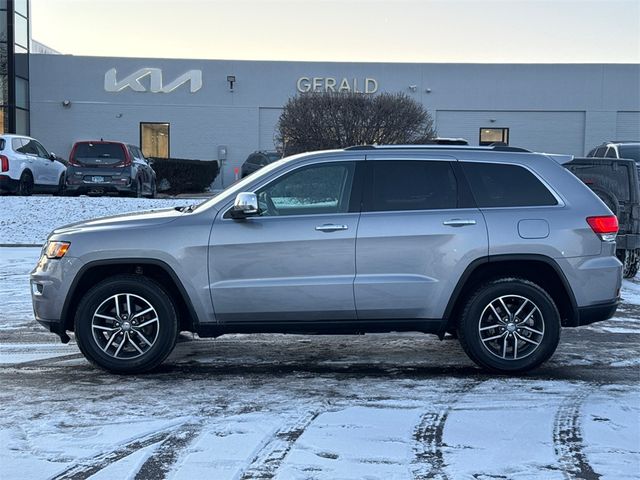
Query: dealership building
{"points": [[224, 110]]}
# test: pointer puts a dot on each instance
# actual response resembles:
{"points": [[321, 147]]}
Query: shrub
{"points": [[317, 121], [178, 175]]}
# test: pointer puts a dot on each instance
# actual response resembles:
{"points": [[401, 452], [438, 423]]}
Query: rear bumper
{"points": [[8, 184], [597, 313], [98, 189]]}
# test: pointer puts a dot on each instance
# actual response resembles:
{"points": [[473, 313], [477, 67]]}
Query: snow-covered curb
{"points": [[28, 220]]}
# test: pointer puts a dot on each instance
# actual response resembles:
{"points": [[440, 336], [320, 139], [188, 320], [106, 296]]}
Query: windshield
{"points": [[98, 153], [632, 152]]}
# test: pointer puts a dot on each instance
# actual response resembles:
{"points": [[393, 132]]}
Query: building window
{"points": [[494, 135], [154, 139]]}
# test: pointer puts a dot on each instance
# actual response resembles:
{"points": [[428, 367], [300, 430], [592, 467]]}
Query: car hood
{"points": [[124, 221]]}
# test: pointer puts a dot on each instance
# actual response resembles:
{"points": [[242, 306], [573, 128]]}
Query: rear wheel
{"points": [[126, 324], [509, 325], [25, 184]]}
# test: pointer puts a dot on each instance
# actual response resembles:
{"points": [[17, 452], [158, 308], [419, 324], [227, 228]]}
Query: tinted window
{"points": [[611, 153], [632, 152], [28, 147], [42, 152], [499, 185], [16, 144], [600, 152], [411, 185], [317, 189], [254, 159], [98, 153]]}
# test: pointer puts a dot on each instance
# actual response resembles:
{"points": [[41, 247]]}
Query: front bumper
{"points": [[597, 313], [50, 284]]}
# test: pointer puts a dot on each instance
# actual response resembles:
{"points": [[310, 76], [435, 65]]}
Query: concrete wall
{"points": [[552, 108]]}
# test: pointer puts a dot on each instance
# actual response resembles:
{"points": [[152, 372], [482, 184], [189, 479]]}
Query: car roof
{"points": [[493, 148]]}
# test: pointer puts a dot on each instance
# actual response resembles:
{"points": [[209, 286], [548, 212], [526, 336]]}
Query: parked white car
{"points": [[27, 167]]}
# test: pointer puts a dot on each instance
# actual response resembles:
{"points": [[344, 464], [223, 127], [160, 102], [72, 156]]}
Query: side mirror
{"points": [[246, 205], [53, 156]]}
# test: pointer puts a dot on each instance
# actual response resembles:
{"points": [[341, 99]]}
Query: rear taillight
{"points": [[127, 158], [72, 157], [606, 227], [4, 163]]}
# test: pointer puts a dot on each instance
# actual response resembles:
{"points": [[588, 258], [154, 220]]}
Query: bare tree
{"points": [[317, 121]]}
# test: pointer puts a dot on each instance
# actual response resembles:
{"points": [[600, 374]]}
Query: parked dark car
{"points": [[615, 181], [103, 167], [257, 160]]}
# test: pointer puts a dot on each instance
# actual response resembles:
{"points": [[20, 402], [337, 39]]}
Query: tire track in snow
{"points": [[84, 469], [428, 462], [267, 461], [160, 462], [567, 437]]}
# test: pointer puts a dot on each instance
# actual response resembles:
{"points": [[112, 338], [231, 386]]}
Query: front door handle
{"points": [[330, 227], [458, 222]]}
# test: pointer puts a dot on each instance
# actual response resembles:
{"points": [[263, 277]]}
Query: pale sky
{"points": [[509, 31]]}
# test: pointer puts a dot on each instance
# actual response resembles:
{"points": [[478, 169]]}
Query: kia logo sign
{"points": [[156, 85]]}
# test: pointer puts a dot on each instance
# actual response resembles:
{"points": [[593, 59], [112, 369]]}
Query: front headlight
{"points": [[56, 249]]}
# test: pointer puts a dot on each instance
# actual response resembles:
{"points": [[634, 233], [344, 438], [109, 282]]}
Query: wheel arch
{"points": [[157, 270], [539, 269]]}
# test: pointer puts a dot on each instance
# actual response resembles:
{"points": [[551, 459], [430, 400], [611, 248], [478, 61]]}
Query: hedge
{"points": [[179, 175]]}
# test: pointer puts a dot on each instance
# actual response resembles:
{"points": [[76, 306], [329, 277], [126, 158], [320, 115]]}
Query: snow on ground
{"points": [[28, 220], [387, 406]]}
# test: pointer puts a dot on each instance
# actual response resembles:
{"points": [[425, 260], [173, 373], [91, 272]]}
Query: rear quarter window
{"points": [[502, 185]]}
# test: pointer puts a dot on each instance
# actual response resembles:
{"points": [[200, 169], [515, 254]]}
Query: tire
{"points": [[540, 315], [61, 186], [25, 184], [630, 262], [138, 191], [154, 189], [130, 348]]}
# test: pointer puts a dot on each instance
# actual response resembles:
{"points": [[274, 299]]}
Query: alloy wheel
{"points": [[125, 326], [511, 327]]}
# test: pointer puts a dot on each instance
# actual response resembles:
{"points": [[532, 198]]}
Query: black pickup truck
{"points": [[615, 181]]}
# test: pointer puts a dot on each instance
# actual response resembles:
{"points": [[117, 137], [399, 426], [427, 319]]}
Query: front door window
{"points": [[317, 189]]}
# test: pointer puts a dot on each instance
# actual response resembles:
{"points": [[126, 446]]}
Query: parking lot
{"points": [[374, 406]]}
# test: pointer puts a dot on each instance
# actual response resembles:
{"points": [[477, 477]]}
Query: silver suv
{"points": [[498, 245]]}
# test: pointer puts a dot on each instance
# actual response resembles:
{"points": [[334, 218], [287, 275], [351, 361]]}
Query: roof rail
{"points": [[496, 148]]}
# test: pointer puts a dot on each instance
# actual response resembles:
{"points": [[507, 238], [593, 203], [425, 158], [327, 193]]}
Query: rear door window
{"points": [[503, 185], [397, 185], [99, 154]]}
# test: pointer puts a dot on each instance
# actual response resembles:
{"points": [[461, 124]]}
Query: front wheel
{"points": [[61, 186], [25, 184], [126, 324], [509, 325]]}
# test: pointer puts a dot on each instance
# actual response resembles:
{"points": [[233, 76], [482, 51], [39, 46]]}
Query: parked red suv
{"points": [[103, 167]]}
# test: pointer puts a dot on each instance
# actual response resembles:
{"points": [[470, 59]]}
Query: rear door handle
{"points": [[458, 222], [330, 227]]}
